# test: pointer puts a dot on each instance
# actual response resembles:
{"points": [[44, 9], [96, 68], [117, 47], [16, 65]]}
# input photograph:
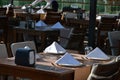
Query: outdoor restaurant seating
{"points": [[3, 11], [106, 24], [4, 54], [104, 71], [3, 28], [53, 17], [90, 68], [72, 37], [27, 44], [114, 42], [79, 33], [65, 35], [3, 51]]}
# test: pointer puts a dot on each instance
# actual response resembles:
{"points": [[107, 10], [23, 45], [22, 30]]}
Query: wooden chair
{"points": [[114, 42], [3, 54], [106, 71], [3, 28], [52, 18], [10, 12], [65, 35], [105, 25], [79, 32], [3, 11], [3, 51], [117, 59], [71, 40], [76, 42], [15, 46]]}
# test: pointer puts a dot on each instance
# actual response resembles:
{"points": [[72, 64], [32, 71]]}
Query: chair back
{"points": [[15, 46], [107, 71], [3, 51], [3, 11], [106, 24], [71, 40], [10, 12], [53, 17], [114, 39], [70, 15], [4, 28], [117, 58], [65, 36], [108, 19]]}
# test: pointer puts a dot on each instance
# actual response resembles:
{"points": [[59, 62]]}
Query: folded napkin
{"points": [[68, 60], [97, 53], [57, 26], [23, 7], [55, 48], [40, 23], [40, 11]]}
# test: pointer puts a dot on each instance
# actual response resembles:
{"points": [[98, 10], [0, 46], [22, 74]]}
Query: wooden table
{"points": [[34, 16], [46, 69], [7, 67], [44, 32], [80, 72]]}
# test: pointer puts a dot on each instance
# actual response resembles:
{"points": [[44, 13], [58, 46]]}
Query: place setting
{"points": [[67, 60], [55, 48], [97, 54], [58, 56], [42, 25]]}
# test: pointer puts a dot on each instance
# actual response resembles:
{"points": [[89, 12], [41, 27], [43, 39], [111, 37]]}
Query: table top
{"points": [[46, 63], [44, 72], [37, 28]]}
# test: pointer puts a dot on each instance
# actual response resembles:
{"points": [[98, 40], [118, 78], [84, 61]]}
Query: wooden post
{"points": [[92, 23]]}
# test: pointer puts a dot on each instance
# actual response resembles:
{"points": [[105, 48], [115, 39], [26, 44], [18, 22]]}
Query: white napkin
{"points": [[97, 53], [68, 60], [23, 7], [55, 48], [40, 23], [57, 26], [40, 11]]}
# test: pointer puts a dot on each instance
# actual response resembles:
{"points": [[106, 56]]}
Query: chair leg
{"points": [[3, 77]]}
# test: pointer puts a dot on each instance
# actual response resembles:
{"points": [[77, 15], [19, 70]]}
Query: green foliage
{"points": [[4, 2], [63, 3]]}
